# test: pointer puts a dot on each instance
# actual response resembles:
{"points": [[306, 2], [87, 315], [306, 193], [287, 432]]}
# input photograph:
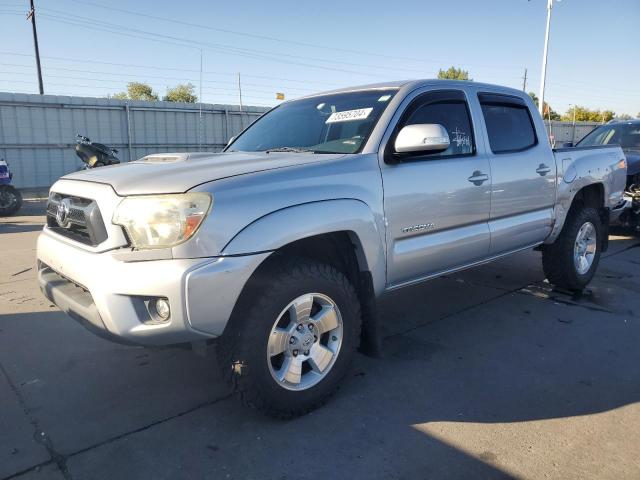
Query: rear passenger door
{"points": [[523, 171], [436, 204]]}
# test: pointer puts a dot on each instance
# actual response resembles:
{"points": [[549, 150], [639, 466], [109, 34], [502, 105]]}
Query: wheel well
{"points": [[590, 196], [343, 251], [335, 248], [593, 196]]}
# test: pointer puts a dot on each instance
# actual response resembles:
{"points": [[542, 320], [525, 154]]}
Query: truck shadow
{"points": [[19, 227], [466, 357], [32, 208]]}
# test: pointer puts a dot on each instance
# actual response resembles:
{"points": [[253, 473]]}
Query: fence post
{"points": [[126, 108], [226, 125]]}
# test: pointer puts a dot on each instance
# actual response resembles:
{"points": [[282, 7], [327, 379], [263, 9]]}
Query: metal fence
{"points": [[37, 133], [568, 131]]}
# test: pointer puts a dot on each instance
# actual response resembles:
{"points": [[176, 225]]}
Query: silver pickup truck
{"points": [[279, 246]]}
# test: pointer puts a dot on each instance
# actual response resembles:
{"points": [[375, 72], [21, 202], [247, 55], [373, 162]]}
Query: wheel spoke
{"points": [[326, 319], [589, 230], [319, 358], [301, 309], [584, 266], [291, 370], [278, 341]]}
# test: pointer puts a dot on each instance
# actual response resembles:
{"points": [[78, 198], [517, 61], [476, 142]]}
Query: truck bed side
{"points": [[579, 167]]}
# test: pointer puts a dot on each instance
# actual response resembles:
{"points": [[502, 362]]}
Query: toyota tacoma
{"points": [[279, 246]]}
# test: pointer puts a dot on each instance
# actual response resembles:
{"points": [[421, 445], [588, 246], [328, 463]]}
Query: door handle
{"points": [[478, 178], [543, 169]]}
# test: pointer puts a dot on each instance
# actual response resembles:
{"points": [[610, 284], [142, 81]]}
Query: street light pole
{"points": [[543, 76]]}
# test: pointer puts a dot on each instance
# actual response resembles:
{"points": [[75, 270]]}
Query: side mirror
{"points": [[427, 137]]}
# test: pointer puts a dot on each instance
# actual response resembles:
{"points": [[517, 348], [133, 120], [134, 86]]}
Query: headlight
{"points": [[158, 221]]}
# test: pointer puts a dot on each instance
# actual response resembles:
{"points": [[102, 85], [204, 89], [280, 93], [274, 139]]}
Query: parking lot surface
{"points": [[487, 373]]}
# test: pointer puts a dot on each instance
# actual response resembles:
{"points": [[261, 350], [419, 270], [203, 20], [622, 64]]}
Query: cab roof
{"points": [[413, 84]]}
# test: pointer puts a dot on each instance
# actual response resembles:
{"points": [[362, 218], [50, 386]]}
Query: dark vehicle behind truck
{"points": [[627, 135]]}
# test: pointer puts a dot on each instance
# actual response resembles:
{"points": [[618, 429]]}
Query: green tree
{"points": [[453, 73], [549, 113], [137, 91], [583, 114], [181, 93]]}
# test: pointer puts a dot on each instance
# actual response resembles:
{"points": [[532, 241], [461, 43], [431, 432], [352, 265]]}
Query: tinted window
{"points": [[452, 115], [509, 127], [625, 134]]}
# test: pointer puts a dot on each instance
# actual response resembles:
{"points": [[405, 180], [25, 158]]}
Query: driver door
{"points": [[436, 205]]}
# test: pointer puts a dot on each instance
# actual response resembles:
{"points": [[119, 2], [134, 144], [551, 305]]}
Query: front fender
{"points": [[279, 228]]}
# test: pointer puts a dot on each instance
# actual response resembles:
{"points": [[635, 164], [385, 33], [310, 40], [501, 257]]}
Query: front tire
{"points": [[292, 339], [10, 200], [571, 261]]}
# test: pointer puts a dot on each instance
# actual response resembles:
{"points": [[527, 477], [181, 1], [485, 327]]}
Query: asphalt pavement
{"points": [[488, 373]]}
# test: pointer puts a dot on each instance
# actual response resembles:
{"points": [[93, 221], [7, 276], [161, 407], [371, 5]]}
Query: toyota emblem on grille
{"points": [[62, 212]]}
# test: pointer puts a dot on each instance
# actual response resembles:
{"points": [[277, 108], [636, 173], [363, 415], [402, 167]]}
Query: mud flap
{"points": [[604, 217], [370, 338]]}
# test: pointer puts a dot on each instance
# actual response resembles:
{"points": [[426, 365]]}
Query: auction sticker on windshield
{"points": [[349, 115]]}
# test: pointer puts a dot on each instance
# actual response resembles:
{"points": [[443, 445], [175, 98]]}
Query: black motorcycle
{"points": [[95, 154]]}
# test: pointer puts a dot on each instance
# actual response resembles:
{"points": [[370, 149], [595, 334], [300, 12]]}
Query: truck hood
{"points": [[179, 172]]}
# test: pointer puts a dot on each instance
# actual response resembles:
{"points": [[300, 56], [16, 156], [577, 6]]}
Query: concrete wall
{"points": [[37, 133]]}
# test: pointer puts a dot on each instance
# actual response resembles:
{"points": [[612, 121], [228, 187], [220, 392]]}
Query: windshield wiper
{"points": [[289, 149]]}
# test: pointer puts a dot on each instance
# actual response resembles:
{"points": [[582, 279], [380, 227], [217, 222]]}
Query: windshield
{"points": [[627, 135], [337, 123]]}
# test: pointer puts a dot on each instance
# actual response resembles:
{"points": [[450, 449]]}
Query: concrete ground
{"points": [[487, 373]]}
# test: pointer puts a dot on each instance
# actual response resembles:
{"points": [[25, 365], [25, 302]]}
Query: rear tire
{"points": [[571, 261], [10, 200], [279, 312]]}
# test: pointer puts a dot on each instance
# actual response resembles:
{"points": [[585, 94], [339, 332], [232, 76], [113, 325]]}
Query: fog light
{"points": [[162, 308]]}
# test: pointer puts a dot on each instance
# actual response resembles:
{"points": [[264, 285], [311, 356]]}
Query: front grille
{"points": [[76, 218]]}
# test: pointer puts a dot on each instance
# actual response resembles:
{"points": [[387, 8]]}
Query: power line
{"points": [[146, 77], [232, 95], [208, 49], [277, 39], [155, 67], [225, 48]]}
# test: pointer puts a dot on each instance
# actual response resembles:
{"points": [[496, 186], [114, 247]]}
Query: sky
{"points": [[94, 47]]}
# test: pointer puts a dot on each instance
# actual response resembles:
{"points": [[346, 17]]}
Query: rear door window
{"points": [[509, 124]]}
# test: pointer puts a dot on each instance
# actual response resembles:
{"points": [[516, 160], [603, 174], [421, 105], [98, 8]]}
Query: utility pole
{"points": [[524, 81], [32, 16], [543, 75], [240, 90]]}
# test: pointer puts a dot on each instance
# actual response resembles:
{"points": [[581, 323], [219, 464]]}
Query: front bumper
{"points": [[110, 296]]}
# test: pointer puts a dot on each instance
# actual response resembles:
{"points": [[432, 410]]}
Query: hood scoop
{"points": [[172, 157]]}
